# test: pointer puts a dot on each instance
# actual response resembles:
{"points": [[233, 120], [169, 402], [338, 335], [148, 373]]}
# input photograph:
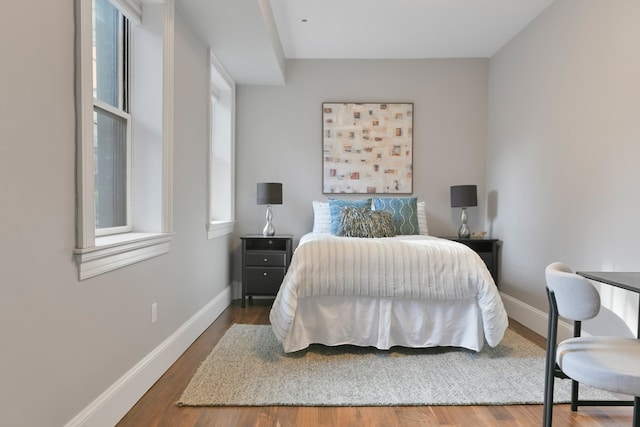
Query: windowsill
{"points": [[120, 250], [220, 228]]}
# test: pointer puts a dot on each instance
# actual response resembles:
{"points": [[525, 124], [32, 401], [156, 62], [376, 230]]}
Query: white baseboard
{"points": [[108, 408], [533, 318]]}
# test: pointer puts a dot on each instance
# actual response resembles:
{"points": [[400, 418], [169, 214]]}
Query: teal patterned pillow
{"points": [[404, 213], [359, 222], [335, 210]]}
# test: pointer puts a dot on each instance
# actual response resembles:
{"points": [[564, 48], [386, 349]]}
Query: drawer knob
{"points": [[266, 259], [264, 274]]}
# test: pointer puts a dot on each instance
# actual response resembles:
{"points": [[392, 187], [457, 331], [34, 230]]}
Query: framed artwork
{"points": [[367, 148]]}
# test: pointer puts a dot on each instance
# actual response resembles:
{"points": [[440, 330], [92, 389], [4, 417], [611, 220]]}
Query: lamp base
{"points": [[464, 232], [268, 229]]}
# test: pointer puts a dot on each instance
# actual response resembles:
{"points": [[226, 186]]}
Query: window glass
{"points": [[110, 151], [107, 53], [110, 120]]}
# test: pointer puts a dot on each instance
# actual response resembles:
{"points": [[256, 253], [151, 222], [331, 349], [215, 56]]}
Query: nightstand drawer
{"points": [[269, 259], [267, 244], [264, 281]]}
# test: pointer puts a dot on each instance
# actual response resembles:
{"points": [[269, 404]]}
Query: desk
{"points": [[624, 280]]}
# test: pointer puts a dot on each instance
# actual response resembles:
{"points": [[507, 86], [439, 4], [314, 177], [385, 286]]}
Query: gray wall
{"points": [[552, 123], [563, 149], [64, 342], [279, 135]]}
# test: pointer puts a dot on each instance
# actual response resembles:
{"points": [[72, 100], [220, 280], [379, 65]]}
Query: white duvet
{"points": [[397, 268]]}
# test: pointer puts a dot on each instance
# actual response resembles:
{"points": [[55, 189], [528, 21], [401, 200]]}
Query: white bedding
{"points": [[417, 291]]}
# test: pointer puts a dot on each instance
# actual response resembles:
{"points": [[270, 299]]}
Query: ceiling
{"points": [[253, 38]]}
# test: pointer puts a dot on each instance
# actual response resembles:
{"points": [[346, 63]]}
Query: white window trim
{"points": [[219, 228], [120, 250], [132, 9], [98, 255]]}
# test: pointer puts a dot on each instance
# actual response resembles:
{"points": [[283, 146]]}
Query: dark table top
{"points": [[629, 280]]}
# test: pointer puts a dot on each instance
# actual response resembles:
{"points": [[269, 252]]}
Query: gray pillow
{"points": [[359, 222], [335, 211]]}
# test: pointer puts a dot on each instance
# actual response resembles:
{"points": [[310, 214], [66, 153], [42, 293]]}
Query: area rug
{"points": [[249, 368]]}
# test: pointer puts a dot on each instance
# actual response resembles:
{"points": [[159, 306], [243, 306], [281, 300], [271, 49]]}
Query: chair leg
{"points": [[636, 408], [548, 397], [574, 395], [550, 362], [577, 331]]}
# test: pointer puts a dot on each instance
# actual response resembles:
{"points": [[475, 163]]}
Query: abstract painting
{"points": [[367, 147]]}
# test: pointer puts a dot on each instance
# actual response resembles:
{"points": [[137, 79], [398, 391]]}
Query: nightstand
{"points": [[487, 249], [265, 260]]}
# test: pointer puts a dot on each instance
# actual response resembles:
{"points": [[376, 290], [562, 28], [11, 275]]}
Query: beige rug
{"points": [[249, 368]]}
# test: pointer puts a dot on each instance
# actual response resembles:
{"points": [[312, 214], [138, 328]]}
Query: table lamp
{"points": [[464, 196], [269, 193]]}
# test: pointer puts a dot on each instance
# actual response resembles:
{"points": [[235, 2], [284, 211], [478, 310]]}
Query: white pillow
{"points": [[422, 218], [321, 217]]}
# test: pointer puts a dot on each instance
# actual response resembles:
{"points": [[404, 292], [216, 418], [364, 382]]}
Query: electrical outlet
{"points": [[154, 312]]}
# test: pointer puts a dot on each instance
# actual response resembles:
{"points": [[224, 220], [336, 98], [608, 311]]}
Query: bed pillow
{"points": [[422, 218], [335, 210], [363, 222], [321, 217], [404, 213]]}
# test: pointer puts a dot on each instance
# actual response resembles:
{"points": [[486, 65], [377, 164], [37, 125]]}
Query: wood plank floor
{"points": [[157, 407]]}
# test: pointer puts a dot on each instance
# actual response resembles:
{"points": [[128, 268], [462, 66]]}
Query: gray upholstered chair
{"points": [[607, 363]]}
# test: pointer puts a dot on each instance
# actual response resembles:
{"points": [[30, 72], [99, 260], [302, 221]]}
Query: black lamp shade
{"points": [[269, 193], [463, 196]]}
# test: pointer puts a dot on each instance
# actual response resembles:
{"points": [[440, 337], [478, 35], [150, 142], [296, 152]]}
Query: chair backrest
{"points": [[576, 297]]}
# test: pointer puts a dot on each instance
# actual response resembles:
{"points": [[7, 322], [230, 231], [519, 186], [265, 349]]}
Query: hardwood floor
{"points": [[157, 407]]}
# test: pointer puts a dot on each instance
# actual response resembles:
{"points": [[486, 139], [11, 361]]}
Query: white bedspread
{"points": [[404, 267]]}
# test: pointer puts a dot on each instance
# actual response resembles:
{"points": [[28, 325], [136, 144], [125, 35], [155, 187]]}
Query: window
{"points": [[221, 151], [111, 120], [124, 132]]}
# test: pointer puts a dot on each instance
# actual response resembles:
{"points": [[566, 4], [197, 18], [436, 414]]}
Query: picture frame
{"points": [[367, 148]]}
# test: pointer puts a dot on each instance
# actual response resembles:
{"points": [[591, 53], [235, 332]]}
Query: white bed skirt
{"points": [[385, 322]]}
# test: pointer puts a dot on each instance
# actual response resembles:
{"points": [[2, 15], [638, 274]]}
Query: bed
{"points": [[407, 290]]}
